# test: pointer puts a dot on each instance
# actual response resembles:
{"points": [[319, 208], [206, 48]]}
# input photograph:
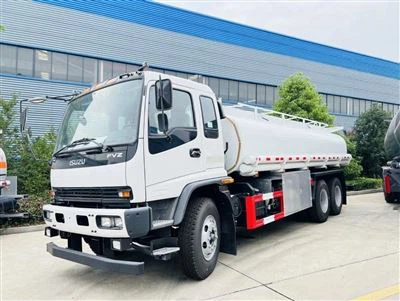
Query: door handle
{"points": [[195, 152]]}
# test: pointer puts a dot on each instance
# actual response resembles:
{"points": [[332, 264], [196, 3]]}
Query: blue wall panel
{"points": [[181, 21]]}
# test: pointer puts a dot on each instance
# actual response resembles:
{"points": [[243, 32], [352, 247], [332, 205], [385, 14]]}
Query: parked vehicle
{"points": [[8, 203], [153, 163], [391, 172]]}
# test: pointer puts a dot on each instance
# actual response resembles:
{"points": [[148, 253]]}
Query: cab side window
{"points": [[210, 122], [176, 127]]}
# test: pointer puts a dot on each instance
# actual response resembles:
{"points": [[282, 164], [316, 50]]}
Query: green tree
{"points": [[354, 169], [298, 96], [370, 129]]}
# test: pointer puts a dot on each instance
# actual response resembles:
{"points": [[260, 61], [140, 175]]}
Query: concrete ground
{"points": [[353, 255]]}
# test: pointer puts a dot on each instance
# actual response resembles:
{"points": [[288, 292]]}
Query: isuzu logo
{"points": [[114, 155], [77, 162]]}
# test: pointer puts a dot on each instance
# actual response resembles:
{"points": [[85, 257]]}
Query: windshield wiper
{"points": [[79, 142]]}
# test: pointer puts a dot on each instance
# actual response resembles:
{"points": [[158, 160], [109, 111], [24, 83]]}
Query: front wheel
{"points": [[199, 238]]}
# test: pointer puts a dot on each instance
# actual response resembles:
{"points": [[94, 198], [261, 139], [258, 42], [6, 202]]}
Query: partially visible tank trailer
{"points": [[391, 172]]}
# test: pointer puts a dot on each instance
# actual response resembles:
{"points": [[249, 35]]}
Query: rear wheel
{"points": [[199, 238], [336, 194], [321, 204], [389, 198]]}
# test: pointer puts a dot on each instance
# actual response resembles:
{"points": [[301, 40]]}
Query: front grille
{"points": [[91, 193]]}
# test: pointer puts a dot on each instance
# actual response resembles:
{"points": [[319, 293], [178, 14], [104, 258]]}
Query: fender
{"points": [[224, 204]]}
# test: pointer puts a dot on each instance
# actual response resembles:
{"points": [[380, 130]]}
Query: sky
{"points": [[367, 27]]}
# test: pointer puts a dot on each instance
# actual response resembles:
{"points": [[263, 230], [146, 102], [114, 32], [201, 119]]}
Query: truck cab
{"points": [[127, 160]]}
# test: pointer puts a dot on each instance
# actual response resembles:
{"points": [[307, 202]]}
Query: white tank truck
{"points": [[152, 163], [391, 172]]}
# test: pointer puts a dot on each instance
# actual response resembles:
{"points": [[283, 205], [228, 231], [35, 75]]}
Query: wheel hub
{"points": [[324, 199], [338, 196], [209, 237]]}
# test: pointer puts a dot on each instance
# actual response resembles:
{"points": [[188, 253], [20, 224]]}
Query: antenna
{"points": [[143, 67]]}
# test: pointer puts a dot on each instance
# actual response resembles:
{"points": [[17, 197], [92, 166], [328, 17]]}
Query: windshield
{"points": [[109, 116]]}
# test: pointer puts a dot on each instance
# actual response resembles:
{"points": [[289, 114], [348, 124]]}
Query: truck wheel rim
{"points": [[338, 196], [323, 197], [209, 237]]}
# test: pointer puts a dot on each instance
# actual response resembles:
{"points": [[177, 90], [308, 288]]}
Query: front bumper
{"points": [[136, 221], [94, 261]]}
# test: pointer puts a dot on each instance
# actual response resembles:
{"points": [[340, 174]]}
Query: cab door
{"points": [[173, 144]]}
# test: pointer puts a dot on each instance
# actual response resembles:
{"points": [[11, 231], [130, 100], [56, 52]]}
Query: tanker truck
{"points": [[391, 172], [155, 164]]}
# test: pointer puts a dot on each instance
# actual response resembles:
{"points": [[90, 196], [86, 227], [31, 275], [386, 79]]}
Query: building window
{"points": [[213, 83], [118, 69], [261, 94], [182, 75], [386, 107], [367, 105], [89, 70], [276, 94], [330, 100], [25, 62], [75, 68], [336, 104], [362, 106], [243, 91], [270, 91], [251, 92], [105, 70], [59, 66], [350, 106], [42, 64], [8, 59], [343, 105], [224, 89], [170, 72], [132, 68], [233, 90], [356, 107]]}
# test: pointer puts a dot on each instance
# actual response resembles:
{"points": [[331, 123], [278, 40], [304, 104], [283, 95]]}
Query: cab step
{"points": [[162, 223]]}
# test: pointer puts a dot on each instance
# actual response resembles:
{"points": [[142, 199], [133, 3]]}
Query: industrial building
{"points": [[54, 47]]}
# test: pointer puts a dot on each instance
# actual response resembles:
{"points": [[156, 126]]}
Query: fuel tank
{"points": [[258, 141]]}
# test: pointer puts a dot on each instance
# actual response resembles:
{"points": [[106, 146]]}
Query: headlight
{"points": [[106, 222], [46, 215], [110, 222]]}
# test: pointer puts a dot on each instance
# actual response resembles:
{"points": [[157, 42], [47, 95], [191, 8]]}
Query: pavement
{"points": [[353, 256]]}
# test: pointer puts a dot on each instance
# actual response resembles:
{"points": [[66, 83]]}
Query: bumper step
{"points": [[118, 266], [162, 223]]}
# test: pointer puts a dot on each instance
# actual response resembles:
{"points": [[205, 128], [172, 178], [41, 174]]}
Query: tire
{"points": [[336, 195], [321, 205], [199, 238], [389, 198]]}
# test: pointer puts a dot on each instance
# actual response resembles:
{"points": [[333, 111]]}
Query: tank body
{"points": [[392, 139], [260, 142]]}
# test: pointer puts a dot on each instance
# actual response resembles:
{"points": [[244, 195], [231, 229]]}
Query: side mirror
{"points": [[162, 122], [23, 120], [163, 94]]}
